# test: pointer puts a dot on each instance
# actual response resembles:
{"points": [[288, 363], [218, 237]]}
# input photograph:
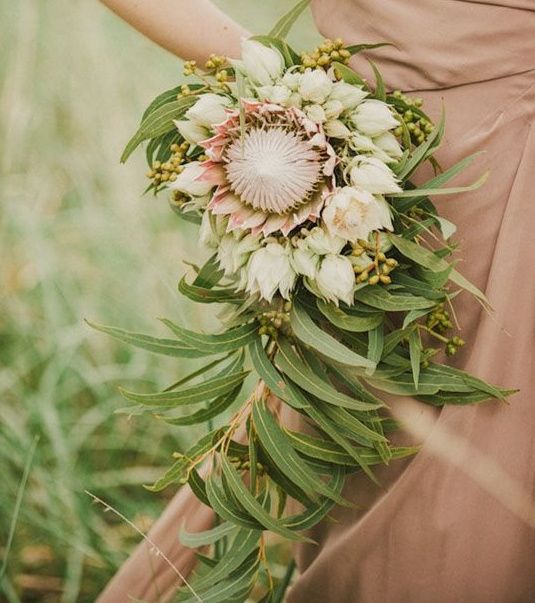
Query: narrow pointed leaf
{"points": [[189, 395], [253, 507], [167, 347], [309, 333], [276, 382], [283, 26], [292, 366], [379, 297], [278, 446], [233, 339], [194, 540], [349, 322], [415, 349]]}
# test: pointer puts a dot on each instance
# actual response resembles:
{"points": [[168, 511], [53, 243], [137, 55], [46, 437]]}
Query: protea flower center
{"points": [[273, 170], [272, 174]]}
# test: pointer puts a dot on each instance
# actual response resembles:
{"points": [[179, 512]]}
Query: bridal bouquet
{"points": [[335, 274]]}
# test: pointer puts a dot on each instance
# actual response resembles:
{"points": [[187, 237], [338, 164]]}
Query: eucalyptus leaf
{"points": [[283, 26], [379, 297], [233, 339], [167, 347], [253, 507], [309, 333], [349, 322], [189, 395]]}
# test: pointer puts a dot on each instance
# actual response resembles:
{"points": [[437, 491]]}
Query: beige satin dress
{"points": [[455, 523]]}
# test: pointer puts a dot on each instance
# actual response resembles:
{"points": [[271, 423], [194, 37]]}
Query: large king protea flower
{"points": [[273, 168]]}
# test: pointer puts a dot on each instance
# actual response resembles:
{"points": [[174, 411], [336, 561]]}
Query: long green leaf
{"points": [[349, 322], [418, 254], [379, 297], [233, 339], [253, 507], [181, 466], [415, 349], [158, 122], [232, 590], [433, 192], [283, 26], [189, 395], [244, 543], [292, 366], [309, 333], [195, 540], [277, 445], [226, 508], [208, 295], [167, 347], [273, 379], [214, 409]]}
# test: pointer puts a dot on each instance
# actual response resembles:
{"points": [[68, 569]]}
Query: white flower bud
{"points": [[322, 243], [192, 131], [315, 113], [352, 214], [208, 110], [388, 143], [336, 279], [305, 262], [234, 252], [269, 269], [295, 100], [292, 79], [372, 175], [243, 250], [350, 96], [333, 108], [263, 65], [373, 117], [274, 94], [189, 183], [225, 251], [315, 86], [207, 234], [336, 129]]}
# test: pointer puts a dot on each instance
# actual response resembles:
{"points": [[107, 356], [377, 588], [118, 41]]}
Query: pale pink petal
{"points": [[272, 224], [226, 205], [213, 173]]}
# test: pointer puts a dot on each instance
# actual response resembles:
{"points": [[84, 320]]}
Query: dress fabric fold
{"points": [[456, 522]]}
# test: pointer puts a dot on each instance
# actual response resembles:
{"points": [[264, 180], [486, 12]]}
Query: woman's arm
{"points": [[191, 29]]}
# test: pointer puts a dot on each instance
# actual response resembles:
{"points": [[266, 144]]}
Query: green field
{"points": [[77, 240]]}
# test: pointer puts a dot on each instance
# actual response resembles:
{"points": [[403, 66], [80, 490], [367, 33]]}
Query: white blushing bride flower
{"points": [[335, 279], [262, 65], [269, 269], [353, 214]]}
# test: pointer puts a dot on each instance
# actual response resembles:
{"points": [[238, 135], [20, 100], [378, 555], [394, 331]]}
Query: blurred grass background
{"points": [[78, 240]]}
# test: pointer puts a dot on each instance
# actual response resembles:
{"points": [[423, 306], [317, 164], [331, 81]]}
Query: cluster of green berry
{"points": [[439, 321], [243, 464], [217, 65], [378, 270], [418, 126], [275, 321], [167, 171], [327, 53]]}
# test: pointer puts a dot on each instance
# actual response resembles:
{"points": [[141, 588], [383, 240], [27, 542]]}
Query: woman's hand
{"points": [[191, 29]]}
